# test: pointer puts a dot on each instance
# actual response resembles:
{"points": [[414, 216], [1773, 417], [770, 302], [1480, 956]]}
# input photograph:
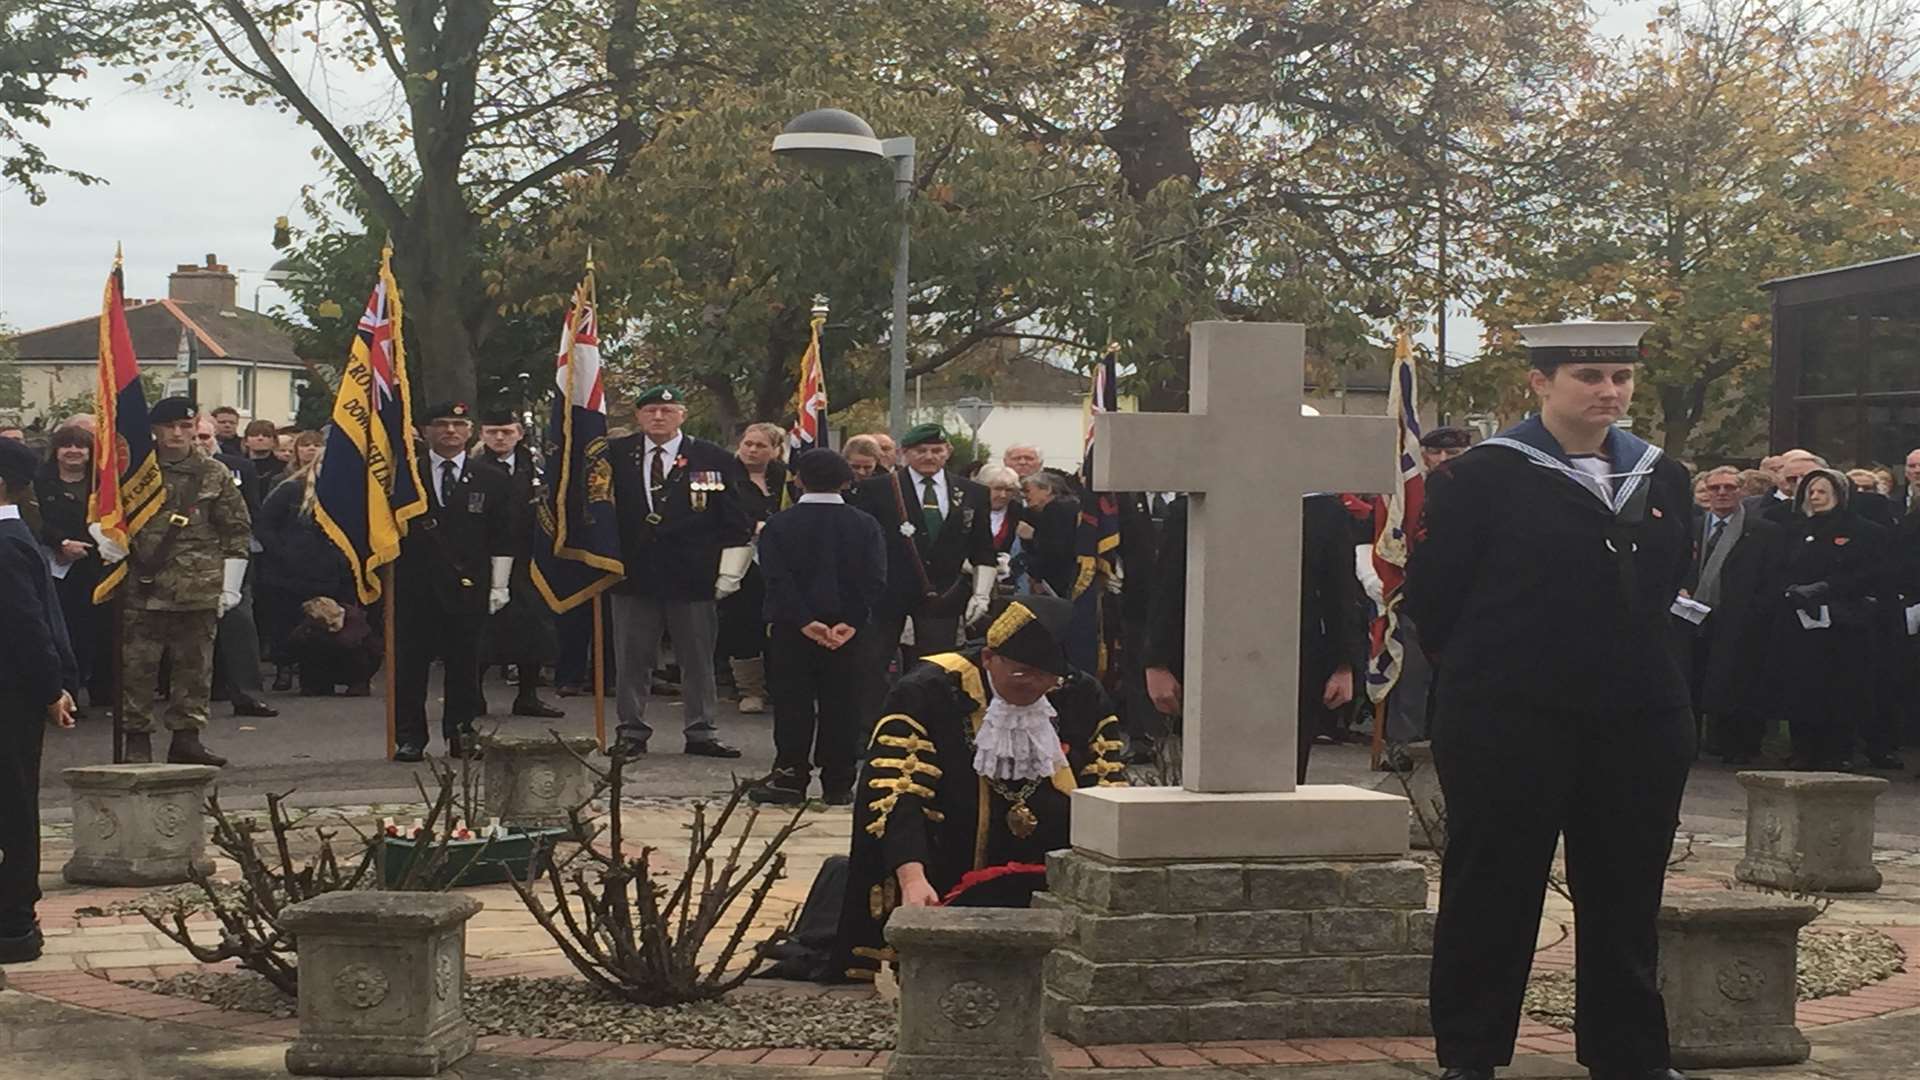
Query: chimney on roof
{"points": [[209, 284]]}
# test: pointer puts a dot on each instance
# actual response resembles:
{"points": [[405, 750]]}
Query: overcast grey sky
{"points": [[210, 179]]}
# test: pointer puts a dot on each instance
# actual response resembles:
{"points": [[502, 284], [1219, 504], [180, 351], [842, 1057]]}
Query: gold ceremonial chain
{"points": [[1021, 820]]}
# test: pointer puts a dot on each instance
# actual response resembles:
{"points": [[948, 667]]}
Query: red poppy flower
{"points": [[1841, 541]]}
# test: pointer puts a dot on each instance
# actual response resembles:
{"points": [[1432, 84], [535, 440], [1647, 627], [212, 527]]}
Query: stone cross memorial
{"points": [[1246, 440]]}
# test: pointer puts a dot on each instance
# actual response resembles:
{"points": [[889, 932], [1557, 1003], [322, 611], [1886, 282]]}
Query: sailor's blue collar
{"points": [[1631, 457], [1623, 448]]}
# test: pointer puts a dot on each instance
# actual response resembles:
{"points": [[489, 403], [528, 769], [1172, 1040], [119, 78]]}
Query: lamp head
{"points": [[828, 139]]}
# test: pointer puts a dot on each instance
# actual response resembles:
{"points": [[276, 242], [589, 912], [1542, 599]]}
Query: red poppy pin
{"points": [[680, 462], [1657, 513], [1841, 541]]}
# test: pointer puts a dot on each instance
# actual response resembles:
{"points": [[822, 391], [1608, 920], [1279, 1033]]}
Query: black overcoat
{"points": [[676, 559], [446, 559], [966, 536]]}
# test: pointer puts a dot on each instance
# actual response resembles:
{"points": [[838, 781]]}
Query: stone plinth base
{"points": [[1319, 821], [380, 982], [138, 824], [1727, 973], [970, 992], [1270, 949], [1810, 831], [535, 781]]}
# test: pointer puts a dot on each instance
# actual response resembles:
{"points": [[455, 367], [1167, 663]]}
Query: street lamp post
{"points": [[835, 138]]}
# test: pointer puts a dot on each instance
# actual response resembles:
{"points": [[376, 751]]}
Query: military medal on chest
{"points": [[701, 484]]}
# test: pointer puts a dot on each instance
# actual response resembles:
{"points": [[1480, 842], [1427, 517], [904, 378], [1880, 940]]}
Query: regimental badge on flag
{"points": [[127, 489], [368, 486], [1097, 537], [810, 407], [578, 555], [1395, 521]]}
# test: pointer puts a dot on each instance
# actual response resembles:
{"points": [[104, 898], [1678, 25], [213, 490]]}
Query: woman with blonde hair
{"points": [[297, 561], [743, 624]]}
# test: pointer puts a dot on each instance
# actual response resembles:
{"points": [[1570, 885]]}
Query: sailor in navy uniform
{"points": [[1553, 555], [686, 540], [454, 570]]}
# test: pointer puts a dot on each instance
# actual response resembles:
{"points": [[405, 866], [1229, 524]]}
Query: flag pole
{"points": [[386, 619], [599, 679], [1379, 731], [118, 613]]}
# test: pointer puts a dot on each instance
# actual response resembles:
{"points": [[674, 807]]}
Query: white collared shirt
{"points": [[672, 451], [434, 461], [939, 490], [11, 511], [829, 497]]}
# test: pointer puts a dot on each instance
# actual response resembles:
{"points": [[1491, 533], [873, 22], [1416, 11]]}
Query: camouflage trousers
{"points": [[185, 640]]}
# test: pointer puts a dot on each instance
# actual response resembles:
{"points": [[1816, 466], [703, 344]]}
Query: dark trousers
{"points": [[879, 644], [89, 629], [1515, 780], [816, 704], [423, 633], [743, 629], [23, 727], [236, 647]]}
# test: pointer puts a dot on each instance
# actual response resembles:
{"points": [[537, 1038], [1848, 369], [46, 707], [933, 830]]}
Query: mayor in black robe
{"points": [[1544, 585], [927, 826]]}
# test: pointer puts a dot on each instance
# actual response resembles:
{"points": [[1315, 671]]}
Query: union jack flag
{"points": [[810, 424], [1395, 518]]}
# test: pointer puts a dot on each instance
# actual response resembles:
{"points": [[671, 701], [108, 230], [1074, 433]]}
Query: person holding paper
{"points": [[1836, 567], [1734, 575]]}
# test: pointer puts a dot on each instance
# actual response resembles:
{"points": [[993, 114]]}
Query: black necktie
{"points": [[658, 476], [447, 479], [1714, 528]]}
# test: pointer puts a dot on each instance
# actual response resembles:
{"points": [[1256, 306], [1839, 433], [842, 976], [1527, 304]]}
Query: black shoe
{"points": [[1458, 1073], [406, 752], [21, 948], [531, 705], [282, 680], [253, 706], [838, 794], [187, 749], [138, 748], [1886, 761], [784, 788], [627, 748], [712, 748]]}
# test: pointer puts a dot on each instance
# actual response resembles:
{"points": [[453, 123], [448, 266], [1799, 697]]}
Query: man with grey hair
{"points": [[1023, 459], [1734, 556]]}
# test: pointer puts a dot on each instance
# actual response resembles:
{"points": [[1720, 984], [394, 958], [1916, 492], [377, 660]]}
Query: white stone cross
{"points": [[1244, 440]]}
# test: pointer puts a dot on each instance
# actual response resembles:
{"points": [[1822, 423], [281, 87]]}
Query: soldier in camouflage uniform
{"points": [[184, 572]]}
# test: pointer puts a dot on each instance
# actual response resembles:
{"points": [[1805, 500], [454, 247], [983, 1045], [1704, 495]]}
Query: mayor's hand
{"points": [[1164, 689], [1339, 688]]}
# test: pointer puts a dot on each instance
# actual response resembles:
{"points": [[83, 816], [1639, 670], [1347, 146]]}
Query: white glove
{"points": [[733, 567], [502, 574], [1003, 568], [982, 592], [235, 575], [110, 552]]}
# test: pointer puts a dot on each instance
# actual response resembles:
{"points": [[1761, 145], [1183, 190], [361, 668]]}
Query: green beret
{"points": [[171, 410], [660, 395], [922, 434]]}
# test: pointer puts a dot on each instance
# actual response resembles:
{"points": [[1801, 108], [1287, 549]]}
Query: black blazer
{"points": [[447, 557], [1333, 629], [528, 489], [676, 559], [966, 536], [33, 633], [296, 557], [1517, 588]]}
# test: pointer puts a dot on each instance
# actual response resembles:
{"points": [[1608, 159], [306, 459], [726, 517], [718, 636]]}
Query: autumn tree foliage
{"points": [[1743, 140]]}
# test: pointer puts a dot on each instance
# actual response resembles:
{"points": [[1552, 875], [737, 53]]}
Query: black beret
{"points": [[1032, 630], [172, 410], [499, 416], [444, 410], [1447, 438]]}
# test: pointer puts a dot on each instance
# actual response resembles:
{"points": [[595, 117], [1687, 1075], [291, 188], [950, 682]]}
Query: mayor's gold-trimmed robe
{"points": [[919, 800]]}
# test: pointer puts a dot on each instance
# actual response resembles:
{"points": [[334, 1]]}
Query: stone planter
{"points": [[1727, 973], [970, 992], [535, 781], [138, 824], [469, 862], [380, 981], [1810, 831]]}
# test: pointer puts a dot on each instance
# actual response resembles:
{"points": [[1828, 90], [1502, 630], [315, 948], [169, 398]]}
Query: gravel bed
{"points": [[190, 899], [1833, 959], [570, 1009]]}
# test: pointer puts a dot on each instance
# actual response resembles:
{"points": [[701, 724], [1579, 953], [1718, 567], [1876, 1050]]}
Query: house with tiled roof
{"points": [[245, 359]]}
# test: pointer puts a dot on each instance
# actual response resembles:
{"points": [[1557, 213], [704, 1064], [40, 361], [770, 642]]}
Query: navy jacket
{"points": [[676, 558], [822, 562], [36, 663]]}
